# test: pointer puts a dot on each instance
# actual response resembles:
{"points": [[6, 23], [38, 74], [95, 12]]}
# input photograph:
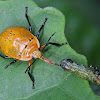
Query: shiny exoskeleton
{"points": [[21, 44]]}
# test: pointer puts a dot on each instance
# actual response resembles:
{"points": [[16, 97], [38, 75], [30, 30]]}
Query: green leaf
{"points": [[51, 82]]}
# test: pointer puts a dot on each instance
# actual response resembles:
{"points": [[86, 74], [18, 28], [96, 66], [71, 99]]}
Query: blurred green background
{"points": [[82, 27]]}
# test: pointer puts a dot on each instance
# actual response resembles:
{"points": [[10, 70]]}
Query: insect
{"points": [[21, 44], [92, 74]]}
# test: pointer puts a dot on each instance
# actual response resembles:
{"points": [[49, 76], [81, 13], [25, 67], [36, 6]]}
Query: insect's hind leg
{"points": [[5, 57], [11, 63], [41, 28], [26, 15]]}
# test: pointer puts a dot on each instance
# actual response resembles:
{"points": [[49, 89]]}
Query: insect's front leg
{"points": [[56, 44], [30, 75]]}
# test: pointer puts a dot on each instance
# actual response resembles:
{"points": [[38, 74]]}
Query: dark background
{"points": [[82, 28]]}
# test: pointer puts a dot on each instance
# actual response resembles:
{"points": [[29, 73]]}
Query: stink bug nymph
{"points": [[21, 44]]}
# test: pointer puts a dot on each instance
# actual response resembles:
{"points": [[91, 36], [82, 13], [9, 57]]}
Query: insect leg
{"points": [[11, 63], [26, 15], [51, 37], [41, 28], [5, 57], [56, 44], [29, 66], [28, 69]]}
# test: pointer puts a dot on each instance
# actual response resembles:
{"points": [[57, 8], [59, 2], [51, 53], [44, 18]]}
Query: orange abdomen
{"points": [[18, 43]]}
